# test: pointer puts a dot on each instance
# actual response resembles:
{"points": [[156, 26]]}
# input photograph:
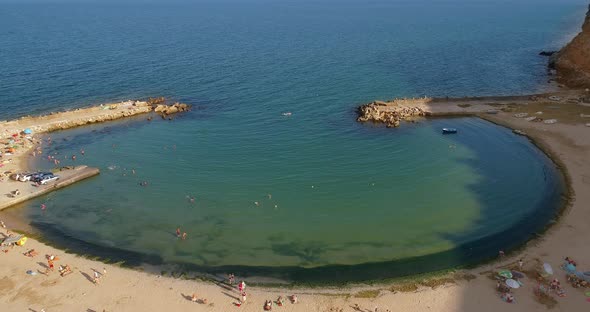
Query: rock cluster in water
{"points": [[171, 109], [572, 63], [389, 114]]}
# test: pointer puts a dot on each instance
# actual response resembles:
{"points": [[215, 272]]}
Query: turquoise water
{"points": [[352, 200]]}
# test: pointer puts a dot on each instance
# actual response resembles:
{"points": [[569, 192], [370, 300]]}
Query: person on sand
{"points": [[65, 270], [554, 284], [243, 297], [294, 299], [242, 286], [2, 224], [280, 301], [31, 253], [520, 264], [570, 261], [104, 271], [96, 278], [194, 297], [508, 297], [267, 305]]}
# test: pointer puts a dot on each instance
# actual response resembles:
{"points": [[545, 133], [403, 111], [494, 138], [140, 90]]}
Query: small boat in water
{"points": [[449, 130]]}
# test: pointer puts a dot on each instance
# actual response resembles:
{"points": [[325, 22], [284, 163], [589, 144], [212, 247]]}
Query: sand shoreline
{"points": [[451, 296]]}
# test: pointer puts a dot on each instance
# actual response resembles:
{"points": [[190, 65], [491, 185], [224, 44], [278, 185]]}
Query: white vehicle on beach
{"points": [[48, 178], [24, 177]]}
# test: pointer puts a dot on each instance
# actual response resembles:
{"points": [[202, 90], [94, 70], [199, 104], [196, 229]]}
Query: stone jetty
{"points": [[391, 113], [90, 115], [17, 141], [28, 190]]}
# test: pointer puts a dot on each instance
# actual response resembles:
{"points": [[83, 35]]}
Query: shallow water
{"points": [[342, 193], [408, 192]]}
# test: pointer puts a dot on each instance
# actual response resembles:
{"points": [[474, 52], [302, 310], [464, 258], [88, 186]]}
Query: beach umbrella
{"points": [[570, 268], [512, 283], [505, 274], [28, 131], [547, 267], [517, 274]]}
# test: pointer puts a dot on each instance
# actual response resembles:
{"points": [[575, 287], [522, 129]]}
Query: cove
{"points": [[346, 204]]}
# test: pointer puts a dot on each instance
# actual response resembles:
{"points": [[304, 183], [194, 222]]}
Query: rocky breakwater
{"points": [[164, 110], [391, 113], [572, 63], [90, 115]]}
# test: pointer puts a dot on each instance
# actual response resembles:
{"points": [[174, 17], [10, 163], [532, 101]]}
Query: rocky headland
{"points": [[572, 62]]}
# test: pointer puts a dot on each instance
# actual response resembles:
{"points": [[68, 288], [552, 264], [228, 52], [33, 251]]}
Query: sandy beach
{"points": [[122, 289]]}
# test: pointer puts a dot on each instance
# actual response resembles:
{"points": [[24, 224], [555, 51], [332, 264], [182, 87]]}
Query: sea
{"points": [[269, 174]]}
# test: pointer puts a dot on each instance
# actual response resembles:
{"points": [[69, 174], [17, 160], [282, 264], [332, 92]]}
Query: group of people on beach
{"points": [[268, 304]]}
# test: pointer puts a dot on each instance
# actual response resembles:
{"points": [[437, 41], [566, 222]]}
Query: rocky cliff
{"points": [[573, 61]]}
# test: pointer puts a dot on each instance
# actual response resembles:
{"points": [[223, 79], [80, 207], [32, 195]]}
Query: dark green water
{"points": [[408, 195]]}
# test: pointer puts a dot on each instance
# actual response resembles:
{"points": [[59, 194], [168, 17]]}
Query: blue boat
{"points": [[449, 130]]}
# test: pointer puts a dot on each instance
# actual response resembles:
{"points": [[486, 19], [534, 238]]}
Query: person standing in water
{"points": [[231, 278], [177, 232], [242, 286]]}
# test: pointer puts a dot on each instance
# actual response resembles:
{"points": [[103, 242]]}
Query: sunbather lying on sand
{"points": [[64, 270], [31, 253]]}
